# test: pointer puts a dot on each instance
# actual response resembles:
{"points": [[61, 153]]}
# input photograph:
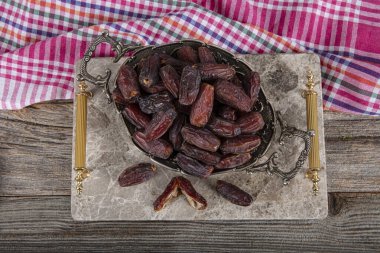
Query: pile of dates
{"points": [[191, 108]]}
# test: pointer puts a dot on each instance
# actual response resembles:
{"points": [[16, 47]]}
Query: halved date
{"points": [[240, 144], [232, 95], [227, 112], [135, 116], [187, 54], [175, 136], [149, 71], [127, 83], [251, 122], [202, 107], [160, 124], [189, 85], [193, 197], [233, 161], [193, 166], [233, 193], [206, 157], [170, 78], [155, 102], [159, 147], [137, 174], [117, 97], [205, 55], [213, 71], [177, 186], [223, 128], [252, 86], [202, 138]]}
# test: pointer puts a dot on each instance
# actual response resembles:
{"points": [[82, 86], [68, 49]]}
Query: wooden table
{"points": [[35, 167]]}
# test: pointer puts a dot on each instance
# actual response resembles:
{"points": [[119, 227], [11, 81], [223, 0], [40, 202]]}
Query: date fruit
{"points": [[251, 122], [202, 107], [213, 71], [177, 186], [193, 166], [137, 174], [193, 197], [189, 85], [187, 54], [205, 55], [149, 71], [170, 78], [252, 86], [156, 88], [206, 157], [223, 128], [127, 83], [160, 124], [175, 136], [159, 147], [240, 144], [232, 95], [117, 97], [175, 63], [232, 161], [227, 112], [233, 193], [155, 102], [135, 116], [202, 138]]}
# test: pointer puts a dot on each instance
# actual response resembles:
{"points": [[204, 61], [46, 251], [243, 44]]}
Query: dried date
{"points": [[202, 107], [233, 161], [156, 88], [206, 157], [159, 147], [117, 97], [170, 78], [227, 112], [171, 191], [251, 122], [232, 95], [155, 102], [193, 166], [175, 136], [189, 85], [233, 193], [160, 124], [137, 174], [240, 144], [223, 128], [213, 71], [135, 116], [187, 54], [193, 197], [202, 138], [149, 71], [175, 63], [127, 83], [205, 55], [252, 86]]}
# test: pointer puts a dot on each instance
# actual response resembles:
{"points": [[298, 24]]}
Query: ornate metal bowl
{"points": [[221, 55]]}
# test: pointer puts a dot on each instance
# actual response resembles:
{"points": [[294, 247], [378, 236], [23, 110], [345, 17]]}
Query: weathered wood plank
{"points": [[44, 224], [35, 151]]}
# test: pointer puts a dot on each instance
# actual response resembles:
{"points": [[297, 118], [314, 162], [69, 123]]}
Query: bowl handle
{"points": [[271, 165], [100, 80]]}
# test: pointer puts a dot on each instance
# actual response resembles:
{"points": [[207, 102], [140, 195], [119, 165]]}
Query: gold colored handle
{"points": [[80, 136], [312, 125]]}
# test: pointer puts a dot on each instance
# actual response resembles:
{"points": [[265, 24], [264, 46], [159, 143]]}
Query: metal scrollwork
{"points": [[271, 165], [100, 80]]}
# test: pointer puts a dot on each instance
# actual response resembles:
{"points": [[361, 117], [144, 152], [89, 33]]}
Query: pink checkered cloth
{"points": [[41, 40]]}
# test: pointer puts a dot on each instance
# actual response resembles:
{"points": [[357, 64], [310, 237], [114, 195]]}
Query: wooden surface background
{"points": [[35, 167]]}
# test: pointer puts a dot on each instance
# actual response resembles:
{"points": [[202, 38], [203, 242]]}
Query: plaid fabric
{"points": [[40, 40]]}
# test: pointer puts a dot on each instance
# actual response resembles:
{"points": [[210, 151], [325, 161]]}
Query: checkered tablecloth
{"points": [[41, 40]]}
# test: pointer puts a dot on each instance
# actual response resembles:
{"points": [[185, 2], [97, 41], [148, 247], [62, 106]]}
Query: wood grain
{"points": [[35, 151], [31, 223]]}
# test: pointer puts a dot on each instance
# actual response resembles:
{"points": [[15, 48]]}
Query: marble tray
{"points": [[110, 151]]}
